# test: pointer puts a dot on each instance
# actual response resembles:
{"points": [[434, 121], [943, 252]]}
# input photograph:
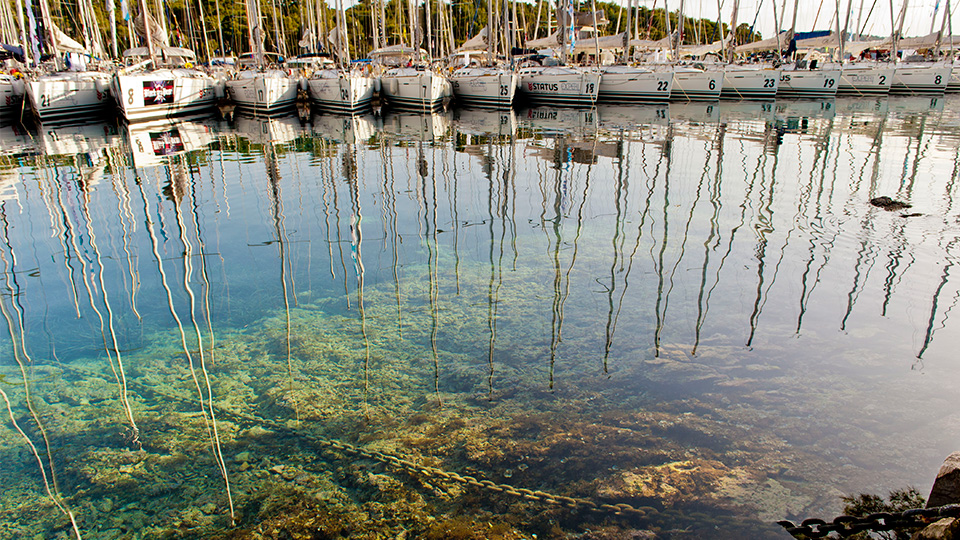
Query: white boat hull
{"points": [[412, 89], [561, 85], [631, 84], [11, 97], [164, 93], [486, 87], [858, 80], [69, 97], [341, 93], [749, 83], [921, 78], [953, 85], [695, 84], [263, 93], [813, 83]]}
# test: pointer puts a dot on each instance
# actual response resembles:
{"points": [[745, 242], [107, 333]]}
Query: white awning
{"points": [[700, 50], [170, 52], [769, 44], [928, 41], [477, 42]]}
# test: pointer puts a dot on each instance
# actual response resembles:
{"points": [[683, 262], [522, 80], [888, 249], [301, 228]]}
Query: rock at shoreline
{"points": [[946, 488]]}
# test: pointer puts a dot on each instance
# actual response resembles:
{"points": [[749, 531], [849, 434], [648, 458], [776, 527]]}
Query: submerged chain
{"points": [[884, 521], [334, 445]]}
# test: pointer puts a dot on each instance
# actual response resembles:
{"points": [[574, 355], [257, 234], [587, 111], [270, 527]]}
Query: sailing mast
{"points": [[490, 32], [255, 32], [626, 34], [48, 22], [23, 33], [733, 31]]}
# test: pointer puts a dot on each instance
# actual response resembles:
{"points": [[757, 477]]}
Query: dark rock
{"points": [[946, 488], [889, 204]]}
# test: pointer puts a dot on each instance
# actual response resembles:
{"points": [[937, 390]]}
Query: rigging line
{"points": [[9, 269], [33, 450], [83, 264], [85, 206], [148, 221], [187, 273], [276, 203], [123, 201], [56, 224]]}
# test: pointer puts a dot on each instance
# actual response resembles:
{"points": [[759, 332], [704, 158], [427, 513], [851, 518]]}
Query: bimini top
{"points": [[397, 54], [169, 52]]}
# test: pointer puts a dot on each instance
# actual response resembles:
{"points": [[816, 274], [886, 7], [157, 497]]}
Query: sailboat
{"points": [[409, 81], [340, 88], [65, 89], [555, 82], [812, 74], [698, 81], [749, 81], [917, 74], [11, 97], [162, 82], [262, 89], [481, 80], [866, 76], [625, 82]]}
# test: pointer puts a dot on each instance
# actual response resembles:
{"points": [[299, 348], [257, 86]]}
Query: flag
{"points": [[125, 9]]}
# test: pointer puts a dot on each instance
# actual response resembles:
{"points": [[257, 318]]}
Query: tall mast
{"points": [[899, 30], [147, 31], [943, 26], [733, 31], [112, 8], [562, 29], [374, 27], [413, 33], [596, 33], [680, 29], [859, 19], [426, 11], [23, 33], [776, 30], [626, 34], [342, 35], [163, 19], [490, 32], [383, 17], [255, 31], [203, 28], [666, 22]]}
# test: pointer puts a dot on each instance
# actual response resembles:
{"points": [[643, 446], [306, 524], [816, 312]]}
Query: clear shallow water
{"points": [[692, 307]]}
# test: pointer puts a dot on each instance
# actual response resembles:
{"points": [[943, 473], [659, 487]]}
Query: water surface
{"points": [[692, 308]]}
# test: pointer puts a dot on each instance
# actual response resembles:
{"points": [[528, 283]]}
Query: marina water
{"points": [[693, 308]]}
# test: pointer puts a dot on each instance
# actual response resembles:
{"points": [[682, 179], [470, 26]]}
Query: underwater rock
{"points": [[946, 488], [669, 483], [889, 204], [613, 533]]}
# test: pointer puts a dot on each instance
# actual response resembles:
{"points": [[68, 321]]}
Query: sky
{"points": [[820, 15]]}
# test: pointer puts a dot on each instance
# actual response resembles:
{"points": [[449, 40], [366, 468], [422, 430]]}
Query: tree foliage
{"points": [[287, 22]]}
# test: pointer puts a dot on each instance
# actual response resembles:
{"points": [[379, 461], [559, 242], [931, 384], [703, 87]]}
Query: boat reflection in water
{"points": [[224, 329]]}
